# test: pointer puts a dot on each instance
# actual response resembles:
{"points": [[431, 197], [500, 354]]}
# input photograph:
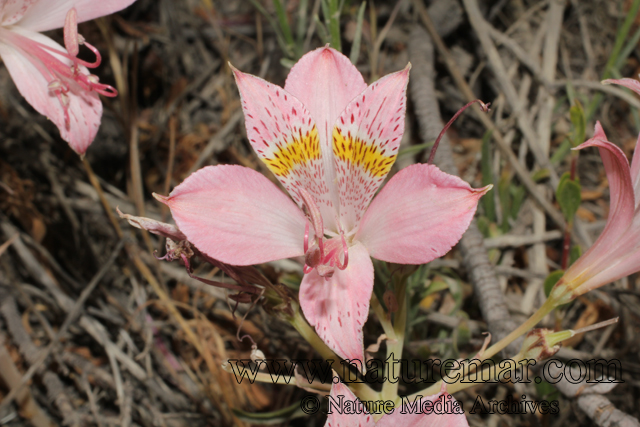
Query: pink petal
{"points": [[236, 215], [85, 107], [601, 266], [339, 306], [622, 204], [410, 418], [634, 85], [365, 143], [325, 81], [341, 393], [635, 172], [45, 15], [418, 215], [12, 11], [619, 239], [285, 137]]}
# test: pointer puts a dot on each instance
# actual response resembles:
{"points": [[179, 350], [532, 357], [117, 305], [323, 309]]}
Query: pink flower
{"points": [[51, 78], [616, 253], [330, 140], [430, 411]]}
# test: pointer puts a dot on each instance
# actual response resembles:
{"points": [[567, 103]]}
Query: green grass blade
{"points": [[355, 47]]}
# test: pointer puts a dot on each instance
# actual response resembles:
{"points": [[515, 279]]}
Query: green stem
{"points": [[461, 385], [394, 347], [545, 309], [383, 317]]}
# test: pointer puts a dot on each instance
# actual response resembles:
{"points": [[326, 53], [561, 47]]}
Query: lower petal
{"points": [[236, 215], [338, 307], [418, 216]]}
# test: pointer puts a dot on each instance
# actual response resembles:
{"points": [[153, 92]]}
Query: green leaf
{"points": [[540, 174], [568, 196], [488, 202], [551, 281], [483, 225], [574, 254], [415, 149], [284, 27], [546, 390], [518, 194], [578, 124], [504, 195], [355, 47], [561, 152], [436, 286]]}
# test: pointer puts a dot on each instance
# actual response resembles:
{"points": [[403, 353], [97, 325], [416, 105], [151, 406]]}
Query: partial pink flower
{"points": [[439, 410], [330, 140], [51, 78], [616, 253]]}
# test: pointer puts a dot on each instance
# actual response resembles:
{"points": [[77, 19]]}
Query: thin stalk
{"points": [[494, 349], [383, 317], [394, 348]]}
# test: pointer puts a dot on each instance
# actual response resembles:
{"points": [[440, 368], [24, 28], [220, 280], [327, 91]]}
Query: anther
{"points": [[71, 32]]}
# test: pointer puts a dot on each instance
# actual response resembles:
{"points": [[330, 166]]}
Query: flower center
{"points": [[54, 65], [324, 254]]}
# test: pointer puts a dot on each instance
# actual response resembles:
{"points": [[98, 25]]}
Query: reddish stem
{"points": [[483, 106], [566, 244]]}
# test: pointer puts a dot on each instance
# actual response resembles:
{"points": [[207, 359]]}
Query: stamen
{"points": [[345, 248], [312, 212], [306, 237], [483, 106]]}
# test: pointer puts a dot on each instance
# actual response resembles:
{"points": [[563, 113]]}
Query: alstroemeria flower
{"points": [[331, 141], [425, 413], [616, 253], [51, 78]]}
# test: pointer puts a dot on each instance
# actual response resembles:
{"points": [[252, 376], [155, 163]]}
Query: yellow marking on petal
{"points": [[299, 151], [367, 156]]}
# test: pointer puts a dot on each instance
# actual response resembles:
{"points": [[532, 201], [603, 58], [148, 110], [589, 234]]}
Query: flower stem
{"points": [[545, 309], [394, 347], [383, 317]]}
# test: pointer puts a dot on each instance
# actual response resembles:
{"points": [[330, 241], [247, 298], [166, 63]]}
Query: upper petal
{"points": [[418, 215], [407, 417], [617, 240], [607, 264], [28, 73], [285, 137], [622, 203], [236, 215], [634, 85], [45, 15], [341, 393], [325, 81], [339, 306], [366, 138], [11, 11]]}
